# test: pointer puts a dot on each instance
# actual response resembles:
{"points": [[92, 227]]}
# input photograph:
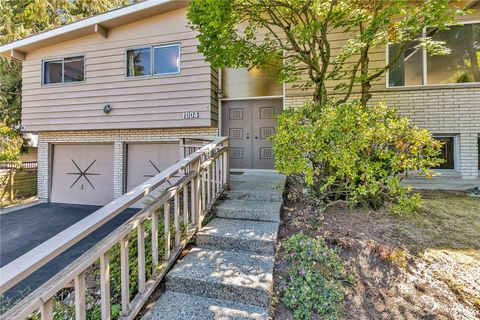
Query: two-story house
{"points": [[110, 97]]}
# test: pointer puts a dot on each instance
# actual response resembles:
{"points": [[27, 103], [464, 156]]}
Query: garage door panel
{"points": [[147, 160], [82, 174]]}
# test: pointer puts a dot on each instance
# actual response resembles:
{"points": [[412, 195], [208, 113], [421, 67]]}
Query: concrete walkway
{"points": [[228, 274]]}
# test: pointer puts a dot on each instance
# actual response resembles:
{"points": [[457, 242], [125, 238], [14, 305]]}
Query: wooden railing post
{"points": [[46, 310], [226, 159], [80, 306], [105, 285], [154, 240], [124, 275], [166, 227], [141, 256], [196, 166]]}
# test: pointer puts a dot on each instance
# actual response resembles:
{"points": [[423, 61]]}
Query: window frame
{"points": [[152, 68], [424, 66], [63, 83], [456, 152]]}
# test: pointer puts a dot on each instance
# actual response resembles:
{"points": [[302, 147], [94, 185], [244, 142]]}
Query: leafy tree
{"points": [[249, 33], [10, 143], [22, 18]]}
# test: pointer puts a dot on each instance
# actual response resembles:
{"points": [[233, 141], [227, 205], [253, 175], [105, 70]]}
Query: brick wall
{"points": [[118, 137], [442, 110]]}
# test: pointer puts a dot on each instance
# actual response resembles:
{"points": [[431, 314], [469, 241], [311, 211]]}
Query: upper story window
{"points": [[416, 67], [156, 60], [64, 70]]}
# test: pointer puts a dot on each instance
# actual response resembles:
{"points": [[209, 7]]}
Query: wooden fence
{"points": [[166, 224], [17, 180]]}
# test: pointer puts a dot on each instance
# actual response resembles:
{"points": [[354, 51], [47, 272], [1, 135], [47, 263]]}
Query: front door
{"points": [[248, 124]]}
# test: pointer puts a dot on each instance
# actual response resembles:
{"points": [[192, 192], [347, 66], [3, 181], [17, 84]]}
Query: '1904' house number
{"points": [[191, 115]]}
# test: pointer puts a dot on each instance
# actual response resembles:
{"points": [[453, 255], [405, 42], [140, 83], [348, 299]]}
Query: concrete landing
{"points": [[228, 275]]}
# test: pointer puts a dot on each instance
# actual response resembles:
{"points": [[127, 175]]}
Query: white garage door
{"points": [[147, 160], [82, 174]]}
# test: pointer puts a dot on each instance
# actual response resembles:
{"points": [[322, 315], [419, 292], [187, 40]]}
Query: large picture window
{"points": [[156, 60], [416, 67], [63, 70]]}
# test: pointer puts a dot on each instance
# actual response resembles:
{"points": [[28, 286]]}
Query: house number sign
{"points": [[191, 115]]}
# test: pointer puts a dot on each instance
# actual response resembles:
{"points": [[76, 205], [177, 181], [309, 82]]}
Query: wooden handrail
{"points": [[19, 269]]}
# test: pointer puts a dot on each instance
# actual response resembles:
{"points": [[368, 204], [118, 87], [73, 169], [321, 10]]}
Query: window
{"points": [[448, 152], [138, 62], [63, 70], [156, 60], [415, 67]]}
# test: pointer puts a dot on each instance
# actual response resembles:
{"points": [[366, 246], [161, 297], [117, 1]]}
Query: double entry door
{"points": [[248, 124]]}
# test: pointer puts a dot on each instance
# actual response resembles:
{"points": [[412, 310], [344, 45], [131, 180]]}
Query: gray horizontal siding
{"points": [[147, 102]]}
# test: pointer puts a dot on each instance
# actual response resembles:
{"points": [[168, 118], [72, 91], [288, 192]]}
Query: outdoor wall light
{"points": [[107, 108]]}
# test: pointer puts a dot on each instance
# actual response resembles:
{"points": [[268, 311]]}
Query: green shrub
{"points": [[348, 152], [314, 285]]}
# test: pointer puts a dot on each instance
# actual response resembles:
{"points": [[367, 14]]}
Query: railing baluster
{"points": [[154, 240], [141, 256], [176, 217], [124, 275], [196, 200], [185, 207], [46, 310], [209, 183], [105, 285], [203, 179], [80, 307], [166, 227]]}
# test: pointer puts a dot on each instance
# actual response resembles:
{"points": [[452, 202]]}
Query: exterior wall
{"points": [[442, 109], [118, 137], [142, 102]]}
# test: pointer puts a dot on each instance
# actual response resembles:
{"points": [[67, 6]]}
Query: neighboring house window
{"points": [[448, 152], [156, 60], [416, 67], [63, 70]]}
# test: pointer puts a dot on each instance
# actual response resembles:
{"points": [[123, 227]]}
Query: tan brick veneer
{"points": [[442, 110]]}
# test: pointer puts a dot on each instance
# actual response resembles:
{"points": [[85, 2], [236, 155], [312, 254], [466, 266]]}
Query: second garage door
{"points": [[147, 160], [82, 174]]}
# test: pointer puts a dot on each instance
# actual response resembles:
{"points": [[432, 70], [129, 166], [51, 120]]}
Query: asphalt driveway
{"points": [[24, 229]]}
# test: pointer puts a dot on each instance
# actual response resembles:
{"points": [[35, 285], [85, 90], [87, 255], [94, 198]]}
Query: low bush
{"points": [[355, 154], [314, 285]]}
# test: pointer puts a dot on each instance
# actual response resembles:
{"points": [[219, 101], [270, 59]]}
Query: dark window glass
{"points": [[73, 69], [138, 62], [52, 72], [166, 59], [447, 153], [407, 71], [463, 63]]}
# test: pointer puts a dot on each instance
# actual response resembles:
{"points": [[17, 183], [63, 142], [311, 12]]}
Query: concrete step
{"points": [[249, 210], [235, 276], [255, 195], [271, 177], [233, 234], [179, 306]]}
